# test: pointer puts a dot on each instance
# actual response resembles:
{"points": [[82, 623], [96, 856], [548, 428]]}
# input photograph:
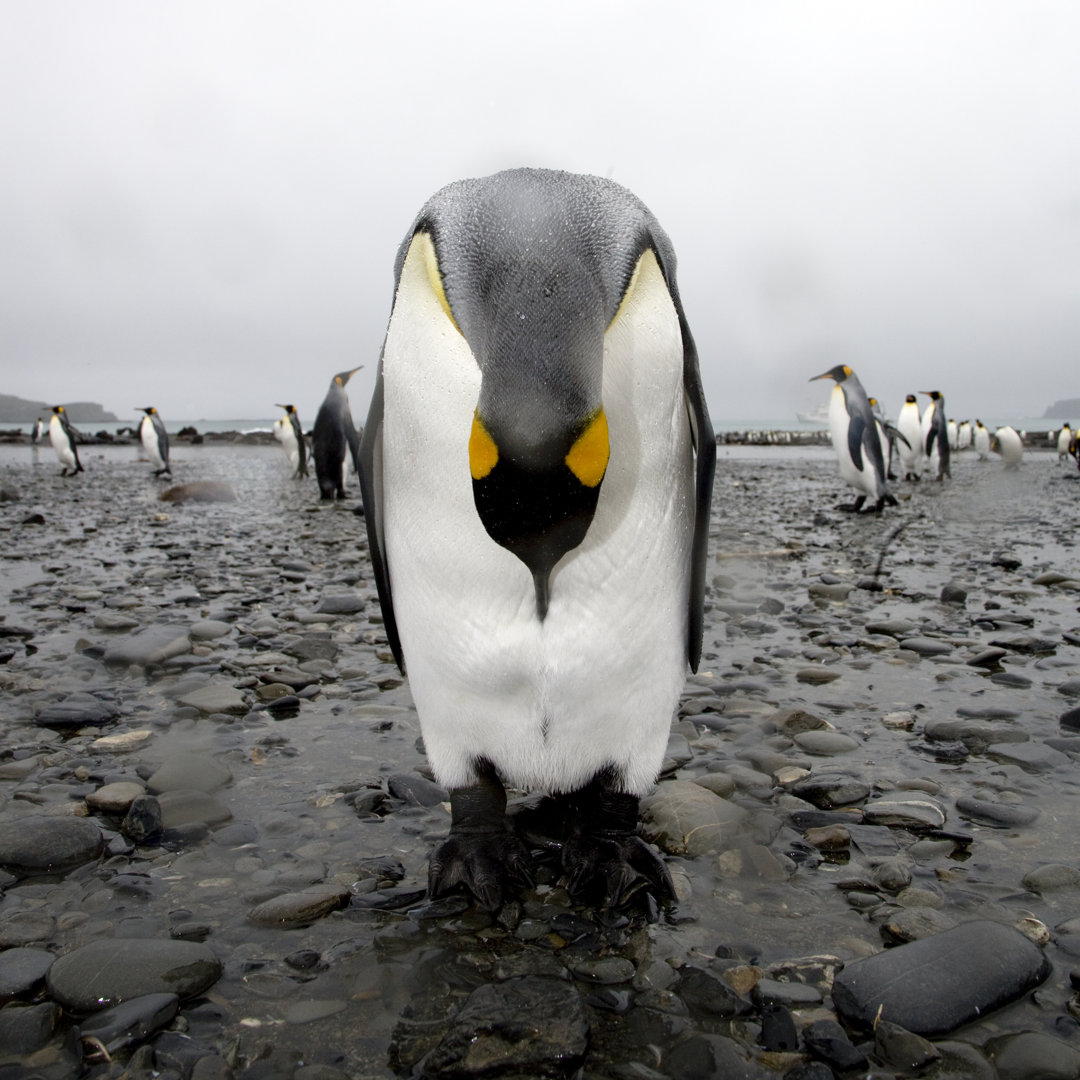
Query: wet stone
{"points": [[934, 985], [1051, 877], [216, 698], [828, 791], [196, 772], [144, 821], [27, 1028], [416, 790], [299, 908], [131, 1021], [22, 971], [208, 629], [340, 604], [1028, 1054], [704, 993], [520, 1026], [48, 843], [825, 743], [76, 711], [117, 969], [818, 675], [115, 798], [925, 646], [180, 808], [151, 646], [688, 819], [907, 813], [996, 815]]}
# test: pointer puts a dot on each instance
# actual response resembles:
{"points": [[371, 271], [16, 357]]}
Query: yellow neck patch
{"points": [[425, 247], [588, 456], [483, 453]]}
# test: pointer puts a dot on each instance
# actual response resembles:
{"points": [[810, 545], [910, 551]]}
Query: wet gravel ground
{"points": [[214, 807]]}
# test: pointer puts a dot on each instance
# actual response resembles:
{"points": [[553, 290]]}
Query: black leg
{"points": [[480, 853], [607, 862]]}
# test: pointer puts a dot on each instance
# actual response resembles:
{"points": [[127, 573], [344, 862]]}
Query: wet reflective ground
{"points": [[810, 608]]}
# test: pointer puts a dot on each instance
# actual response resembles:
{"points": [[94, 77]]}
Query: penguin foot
{"points": [[481, 853], [853, 507], [606, 861]]}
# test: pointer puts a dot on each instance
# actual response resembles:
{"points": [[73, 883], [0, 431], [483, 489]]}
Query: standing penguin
{"points": [[981, 440], [963, 435], [38, 431], [155, 440], [64, 439], [292, 439], [935, 434], [910, 426], [537, 468], [335, 438], [855, 439], [1064, 440]]}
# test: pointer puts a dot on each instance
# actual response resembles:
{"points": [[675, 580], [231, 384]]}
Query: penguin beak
{"points": [[538, 501], [823, 375]]}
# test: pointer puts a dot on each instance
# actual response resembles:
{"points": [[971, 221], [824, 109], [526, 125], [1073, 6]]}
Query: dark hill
{"points": [[17, 410], [1063, 410]]}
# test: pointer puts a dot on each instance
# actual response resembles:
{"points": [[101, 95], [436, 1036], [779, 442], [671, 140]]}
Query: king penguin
{"points": [[935, 434], [335, 438], [155, 440], [981, 440], [855, 439], [1064, 440], [537, 469], [1007, 442], [909, 425], [292, 440], [64, 441], [37, 433]]}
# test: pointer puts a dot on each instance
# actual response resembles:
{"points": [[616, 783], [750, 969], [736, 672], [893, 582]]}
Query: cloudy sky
{"points": [[200, 202]]}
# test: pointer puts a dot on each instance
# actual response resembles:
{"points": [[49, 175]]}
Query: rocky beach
{"points": [[215, 810]]}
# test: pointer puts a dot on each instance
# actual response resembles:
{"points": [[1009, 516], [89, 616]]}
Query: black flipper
{"points": [[371, 490]]}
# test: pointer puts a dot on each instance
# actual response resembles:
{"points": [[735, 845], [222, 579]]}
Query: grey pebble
{"points": [[116, 969], [996, 815], [25, 1029], [131, 1021], [154, 645], [1027, 1054], [934, 985], [48, 843], [195, 772], [22, 971], [299, 908], [825, 743], [925, 646]]}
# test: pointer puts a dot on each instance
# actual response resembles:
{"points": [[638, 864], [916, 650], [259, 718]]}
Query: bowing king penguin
{"points": [[64, 441], [155, 440], [855, 439], [537, 469]]}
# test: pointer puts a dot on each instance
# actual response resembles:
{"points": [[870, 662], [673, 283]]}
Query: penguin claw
{"points": [[612, 871], [484, 863]]}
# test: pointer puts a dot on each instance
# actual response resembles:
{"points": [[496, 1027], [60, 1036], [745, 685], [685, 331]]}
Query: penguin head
{"points": [[149, 410], [290, 409], [839, 373], [342, 377], [911, 399], [58, 409], [933, 395], [531, 267]]}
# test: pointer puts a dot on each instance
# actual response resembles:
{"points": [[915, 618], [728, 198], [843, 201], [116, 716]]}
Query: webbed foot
{"points": [[606, 861], [481, 853]]}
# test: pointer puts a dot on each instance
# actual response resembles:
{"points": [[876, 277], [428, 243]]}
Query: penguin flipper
{"points": [[856, 430], [371, 491], [704, 439]]}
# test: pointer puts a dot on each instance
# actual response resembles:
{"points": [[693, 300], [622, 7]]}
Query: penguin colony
{"points": [[866, 443], [537, 470]]}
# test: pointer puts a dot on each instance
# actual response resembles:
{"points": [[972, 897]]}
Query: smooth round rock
{"points": [[996, 815], [299, 908], [111, 970], [115, 798], [933, 985], [825, 743], [22, 971], [189, 772], [48, 843]]}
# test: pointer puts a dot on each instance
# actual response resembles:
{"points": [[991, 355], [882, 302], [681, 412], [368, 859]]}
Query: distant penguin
{"points": [[293, 442], [963, 435], [855, 439], [981, 440], [1064, 440], [36, 434], [1009, 445], [64, 441], [537, 470], [335, 439], [912, 456], [155, 440], [935, 434], [954, 439]]}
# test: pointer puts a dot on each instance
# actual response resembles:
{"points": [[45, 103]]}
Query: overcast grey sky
{"points": [[200, 202]]}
